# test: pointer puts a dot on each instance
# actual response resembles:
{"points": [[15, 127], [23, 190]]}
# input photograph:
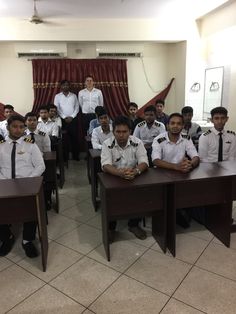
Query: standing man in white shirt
{"points": [[8, 112], [89, 98], [68, 108]]}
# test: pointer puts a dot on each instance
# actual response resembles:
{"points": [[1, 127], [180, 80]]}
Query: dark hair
{"points": [[219, 110], [98, 109], [102, 112], [150, 108], [44, 108], [187, 109], [132, 104], [160, 101], [8, 107], [175, 114], [121, 120], [15, 118], [64, 81], [89, 76], [52, 106], [30, 114]]}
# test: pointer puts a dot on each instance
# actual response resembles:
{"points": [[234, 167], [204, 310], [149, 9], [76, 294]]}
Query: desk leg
{"points": [[93, 182], [42, 225], [171, 219], [105, 224], [218, 221], [88, 168]]}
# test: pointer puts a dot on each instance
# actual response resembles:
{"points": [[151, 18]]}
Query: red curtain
{"points": [[162, 95], [110, 76]]}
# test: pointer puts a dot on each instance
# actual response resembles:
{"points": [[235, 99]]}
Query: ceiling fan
{"points": [[35, 18]]}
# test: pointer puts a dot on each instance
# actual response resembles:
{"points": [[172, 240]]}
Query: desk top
{"points": [[21, 187], [50, 155], [205, 171], [95, 153]]}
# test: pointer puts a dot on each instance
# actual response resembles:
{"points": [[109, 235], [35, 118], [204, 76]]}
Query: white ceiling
{"points": [[112, 9]]}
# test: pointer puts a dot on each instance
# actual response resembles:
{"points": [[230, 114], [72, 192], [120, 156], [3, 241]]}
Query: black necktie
{"points": [[220, 151], [13, 161], [32, 137]]}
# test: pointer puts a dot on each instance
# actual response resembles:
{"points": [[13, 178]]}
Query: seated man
{"points": [[161, 116], [54, 116], [217, 144], [124, 155], [94, 123], [169, 151], [8, 112], [46, 125], [147, 130], [19, 158], [38, 137], [132, 110], [191, 129], [103, 132]]}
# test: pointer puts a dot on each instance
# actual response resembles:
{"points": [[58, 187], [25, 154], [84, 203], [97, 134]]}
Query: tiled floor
{"points": [[139, 278]]}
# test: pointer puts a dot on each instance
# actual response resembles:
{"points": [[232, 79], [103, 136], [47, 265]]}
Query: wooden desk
{"points": [[22, 200], [50, 175], [95, 168], [144, 196], [209, 185], [57, 146], [88, 146]]}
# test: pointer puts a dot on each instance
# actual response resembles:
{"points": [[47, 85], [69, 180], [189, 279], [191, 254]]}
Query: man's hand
{"points": [[68, 119], [127, 173], [184, 166]]}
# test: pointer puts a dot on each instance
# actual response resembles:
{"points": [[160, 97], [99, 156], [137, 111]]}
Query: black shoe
{"points": [[30, 249], [7, 245], [138, 232], [183, 219]]}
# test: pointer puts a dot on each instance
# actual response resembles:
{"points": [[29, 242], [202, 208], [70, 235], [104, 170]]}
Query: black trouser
{"points": [[87, 117], [131, 223], [72, 136], [29, 231]]}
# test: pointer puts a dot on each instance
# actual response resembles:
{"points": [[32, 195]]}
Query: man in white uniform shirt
{"points": [[89, 98], [102, 132], [124, 155], [54, 116], [45, 124], [171, 150], [68, 108], [19, 158], [8, 112]]}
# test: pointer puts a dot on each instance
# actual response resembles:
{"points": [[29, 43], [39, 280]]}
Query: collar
{"points": [[180, 139], [40, 120], [69, 94], [217, 132], [110, 129], [10, 141], [127, 144], [90, 91], [28, 131]]}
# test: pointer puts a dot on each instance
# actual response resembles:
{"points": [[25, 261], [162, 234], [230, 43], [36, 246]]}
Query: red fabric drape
{"points": [[110, 76], [162, 95]]}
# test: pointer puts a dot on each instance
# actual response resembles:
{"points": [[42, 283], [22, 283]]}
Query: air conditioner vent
{"points": [[40, 55], [119, 54]]}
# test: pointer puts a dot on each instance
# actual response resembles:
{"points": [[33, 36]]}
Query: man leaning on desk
{"points": [[171, 150], [124, 155], [19, 158]]}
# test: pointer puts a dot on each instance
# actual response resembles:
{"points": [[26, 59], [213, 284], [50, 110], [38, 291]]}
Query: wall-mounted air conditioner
{"points": [[41, 50], [119, 50]]}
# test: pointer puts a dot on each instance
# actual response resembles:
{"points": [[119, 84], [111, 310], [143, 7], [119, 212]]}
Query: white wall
{"points": [[16, 74]]}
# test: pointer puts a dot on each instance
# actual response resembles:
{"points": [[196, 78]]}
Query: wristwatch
{"points": [[138, 171]]}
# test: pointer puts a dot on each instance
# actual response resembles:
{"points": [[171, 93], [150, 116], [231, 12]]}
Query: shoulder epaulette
{"points": [[2, 141], [133, 144], [141, 123], [207, 132], [186, 136], [231, 132], [28, 140], [157, 124], [112, 144], [41, 133], [161, 139]]}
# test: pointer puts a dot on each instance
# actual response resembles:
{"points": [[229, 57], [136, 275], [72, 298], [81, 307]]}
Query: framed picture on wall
{"points": [[213, 88]]}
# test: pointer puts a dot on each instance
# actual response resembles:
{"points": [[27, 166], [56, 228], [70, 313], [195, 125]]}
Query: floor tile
{"points": [[199, 231], [96, 221], [59, 258], [4, 263], [176, 307], [88, 312], [59, 225], [66, 202], [220, 260], [123, 254], [126, 235], [82, 239], [16, 285], [232, 241], [81, 212], [79, 193], [85, 280], [159, 271], [48, 300], [208, 292], [127, 296]]}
